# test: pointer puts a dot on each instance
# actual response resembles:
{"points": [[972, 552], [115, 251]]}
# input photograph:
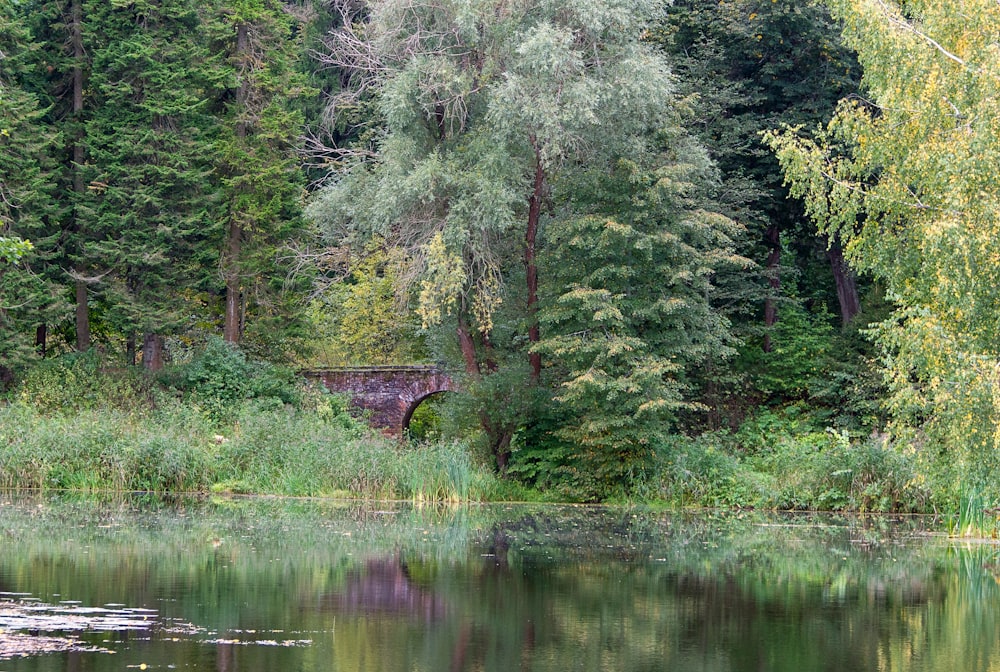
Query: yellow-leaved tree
{"points": [[908, 177]]}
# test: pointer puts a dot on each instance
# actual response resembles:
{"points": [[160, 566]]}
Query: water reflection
{"points": [[383, 586], [243, 584]]}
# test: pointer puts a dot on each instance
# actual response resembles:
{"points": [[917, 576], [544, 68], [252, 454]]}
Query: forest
{"points": [[711, 252]]}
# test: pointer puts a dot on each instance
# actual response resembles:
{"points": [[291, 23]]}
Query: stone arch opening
{"points": [[388, 394], [414, 405]]}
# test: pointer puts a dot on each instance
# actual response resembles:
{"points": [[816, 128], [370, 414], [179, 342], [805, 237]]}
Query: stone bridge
{"points": [[389, 394]]}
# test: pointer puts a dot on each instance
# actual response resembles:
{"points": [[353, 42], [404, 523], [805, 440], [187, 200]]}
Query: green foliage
{"points": [[258, 184], [786, 462], [147, 138], [800, 355], [28, 294], [633, 310], [364, 318], [318, 449], [221, 377], [905, 178], [742, 65], [72, 383], [12, 249]]}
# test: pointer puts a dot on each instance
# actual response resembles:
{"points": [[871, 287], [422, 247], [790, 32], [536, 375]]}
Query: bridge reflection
{"points": [[383, 586]]}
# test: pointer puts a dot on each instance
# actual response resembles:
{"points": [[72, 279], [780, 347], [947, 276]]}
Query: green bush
{"points": [[220, 378], [80, 381]]}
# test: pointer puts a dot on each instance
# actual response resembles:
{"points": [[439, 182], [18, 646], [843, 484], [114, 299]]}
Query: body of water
{"points": [[273, 584]]}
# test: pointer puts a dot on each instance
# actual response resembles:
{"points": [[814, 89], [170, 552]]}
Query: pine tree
{"points": [[257, 155], [147, 213], [28, 297], [63, 64]]}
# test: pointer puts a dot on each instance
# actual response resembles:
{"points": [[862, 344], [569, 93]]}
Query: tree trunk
{"points": [[773, 236], [41, 339], [82, 317], [498, 436], [130, 350], [847, 286], [468, 348], [152, 352], [233, 326], [82, 314], [530, 267]]}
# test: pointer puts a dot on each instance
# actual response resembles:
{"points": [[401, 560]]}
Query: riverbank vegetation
{"points": [[577, 208]]}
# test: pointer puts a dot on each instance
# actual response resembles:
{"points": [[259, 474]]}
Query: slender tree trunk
{"points": [[233, 319], [152, 352], [41, 339], [232, 327], [847, 286], [774, 279], [530, 267], [468, 348], [82, 317], [130, 350], [82, 313], [499, 436]]}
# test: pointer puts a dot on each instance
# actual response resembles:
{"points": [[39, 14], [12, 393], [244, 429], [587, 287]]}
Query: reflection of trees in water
{"points": [[383, 585]]}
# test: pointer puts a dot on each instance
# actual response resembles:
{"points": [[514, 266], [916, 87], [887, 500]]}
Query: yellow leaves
{"points": [[443, 284]]}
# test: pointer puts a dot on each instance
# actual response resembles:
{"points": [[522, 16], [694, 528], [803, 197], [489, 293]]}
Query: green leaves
{"points": [[906, 179], [12, 249], [632, 315]]}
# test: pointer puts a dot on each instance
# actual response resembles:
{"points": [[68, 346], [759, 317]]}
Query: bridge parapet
{"points": [[389, 394]]}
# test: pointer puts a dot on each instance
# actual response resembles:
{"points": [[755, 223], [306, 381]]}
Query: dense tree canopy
{"points": [[501, 122], [906, 175], [566, 200]]}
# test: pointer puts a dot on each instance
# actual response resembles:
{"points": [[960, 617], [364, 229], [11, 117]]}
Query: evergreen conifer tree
{"points": [[147, 211], [28, 296]]}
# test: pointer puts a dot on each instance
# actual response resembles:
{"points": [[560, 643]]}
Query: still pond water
{"points": [[287, 585]]}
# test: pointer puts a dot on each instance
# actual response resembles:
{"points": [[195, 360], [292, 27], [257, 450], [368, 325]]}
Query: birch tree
{"points": [[907, 177]]}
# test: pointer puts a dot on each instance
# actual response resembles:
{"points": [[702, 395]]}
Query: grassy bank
{"points": [[218, 425], [221, 423], [264, 451]]}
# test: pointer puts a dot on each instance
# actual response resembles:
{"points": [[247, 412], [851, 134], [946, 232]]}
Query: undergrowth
{"points": [[74, 425]]}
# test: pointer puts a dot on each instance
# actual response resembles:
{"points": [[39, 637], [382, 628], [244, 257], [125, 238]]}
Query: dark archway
{"points": [[422, 404]]}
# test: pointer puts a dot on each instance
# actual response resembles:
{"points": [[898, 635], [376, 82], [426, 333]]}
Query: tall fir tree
{"points": [[257, 158], [147, 210], [29, 298]]}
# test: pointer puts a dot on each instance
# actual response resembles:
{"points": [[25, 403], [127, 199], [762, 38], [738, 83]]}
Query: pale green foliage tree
{"points": [[488, 108], [908, 178], [361, 319]]}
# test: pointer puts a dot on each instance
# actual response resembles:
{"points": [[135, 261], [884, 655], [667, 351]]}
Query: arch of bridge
{"points": [[389, 394]]}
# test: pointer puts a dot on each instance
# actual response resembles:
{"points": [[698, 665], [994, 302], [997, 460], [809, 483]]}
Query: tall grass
{"points": [[73, 426], [801, 470], [266, 451]]}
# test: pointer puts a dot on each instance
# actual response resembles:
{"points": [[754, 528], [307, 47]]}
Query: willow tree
{"points": [[907, 177], [486, 110]]}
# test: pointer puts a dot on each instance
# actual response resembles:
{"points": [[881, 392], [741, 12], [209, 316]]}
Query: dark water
{"points": [[263, 584]]}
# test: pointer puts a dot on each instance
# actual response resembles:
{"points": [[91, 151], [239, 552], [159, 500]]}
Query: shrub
{"points": [[220, 378], [80, 381]]}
